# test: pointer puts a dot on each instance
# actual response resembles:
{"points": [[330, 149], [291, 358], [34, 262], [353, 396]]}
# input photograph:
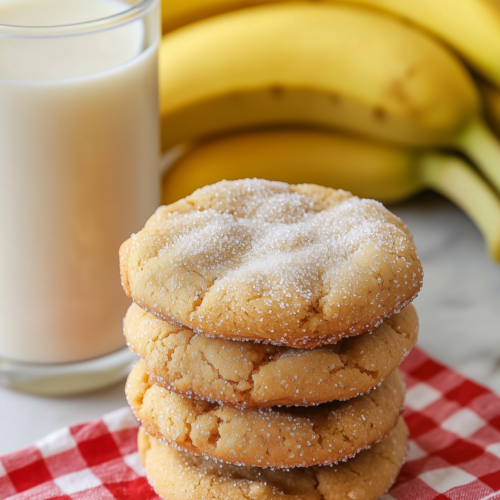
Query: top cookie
{"points": [[297, 265]]}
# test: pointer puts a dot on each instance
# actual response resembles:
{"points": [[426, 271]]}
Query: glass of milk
{"points": [[79, 154]]}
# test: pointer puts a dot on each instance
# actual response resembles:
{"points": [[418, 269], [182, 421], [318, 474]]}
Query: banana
{"points": [[491, 97], [368, 169], [471, 27], [331, 66]]}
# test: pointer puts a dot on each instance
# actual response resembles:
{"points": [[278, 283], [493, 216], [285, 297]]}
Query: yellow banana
{"points": [[471, 27], [331, 66], [491, 97], [368, 169]]}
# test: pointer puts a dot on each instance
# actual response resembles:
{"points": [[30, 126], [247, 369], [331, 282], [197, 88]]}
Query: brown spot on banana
{"points": [[334, 98], [379, 113], [277, 90]]}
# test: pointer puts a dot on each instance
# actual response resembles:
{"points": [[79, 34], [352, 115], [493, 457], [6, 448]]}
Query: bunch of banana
{"points": [[332, 66]]}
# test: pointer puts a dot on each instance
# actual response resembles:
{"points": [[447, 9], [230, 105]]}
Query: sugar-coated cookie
{"points": [[272, 437], [247, 375], [297, 265], [178, 475]]}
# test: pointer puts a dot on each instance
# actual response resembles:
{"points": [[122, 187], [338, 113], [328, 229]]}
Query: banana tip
{"points": [[494, 251]]}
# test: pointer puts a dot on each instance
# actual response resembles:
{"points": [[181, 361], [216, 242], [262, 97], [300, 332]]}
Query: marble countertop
{"points": [[459, 309]]}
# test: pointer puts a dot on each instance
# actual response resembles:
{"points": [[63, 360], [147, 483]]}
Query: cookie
{"points": [[273, 437], [178, 475], [247, 375], [296, 265]]}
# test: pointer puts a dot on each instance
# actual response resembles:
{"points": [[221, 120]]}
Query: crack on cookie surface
{"points": [[292, 437], [259, 375]]}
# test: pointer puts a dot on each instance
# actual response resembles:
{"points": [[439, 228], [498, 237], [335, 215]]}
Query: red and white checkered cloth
{"points": [[454, 450]]}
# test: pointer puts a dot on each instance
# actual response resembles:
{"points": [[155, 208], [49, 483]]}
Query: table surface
{"points": [[459, 309]]}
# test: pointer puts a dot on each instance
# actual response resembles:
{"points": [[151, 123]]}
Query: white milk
{"points": [[78, 174]]}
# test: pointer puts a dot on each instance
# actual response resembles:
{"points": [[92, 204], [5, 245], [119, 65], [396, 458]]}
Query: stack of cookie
{"points": [[270, 320]]}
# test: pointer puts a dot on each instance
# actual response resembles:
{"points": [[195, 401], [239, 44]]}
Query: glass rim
{"points": [[77, 29]]}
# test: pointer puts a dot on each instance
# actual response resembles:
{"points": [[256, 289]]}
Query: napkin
{"points": [[454, 448]]}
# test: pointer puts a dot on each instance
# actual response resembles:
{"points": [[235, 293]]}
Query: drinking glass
{"points": [[79, 172]]}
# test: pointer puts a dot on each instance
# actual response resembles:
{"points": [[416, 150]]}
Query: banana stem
{"points": [[483, 147], [455, 179]]}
